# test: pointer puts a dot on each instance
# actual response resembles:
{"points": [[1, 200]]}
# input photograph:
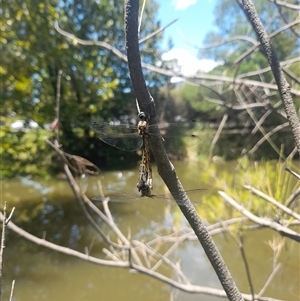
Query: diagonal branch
{"points": [[284, 231], [165, 169], [273, 202], [283, 86]]}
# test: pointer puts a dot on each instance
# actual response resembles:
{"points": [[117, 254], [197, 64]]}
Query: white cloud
{"points": [[189, 63], [183, 4]]}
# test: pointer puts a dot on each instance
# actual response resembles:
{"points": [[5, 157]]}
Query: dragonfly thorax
{"points": [[142, 128]]}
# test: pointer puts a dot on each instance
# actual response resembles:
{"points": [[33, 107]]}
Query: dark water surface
{"points": [[49, 208]]}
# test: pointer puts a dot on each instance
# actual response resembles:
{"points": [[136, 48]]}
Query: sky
{"points": [[195, 20]]}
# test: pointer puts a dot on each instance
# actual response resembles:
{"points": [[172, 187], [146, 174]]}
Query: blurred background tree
{"points": [[229, 44], [95, 83]]}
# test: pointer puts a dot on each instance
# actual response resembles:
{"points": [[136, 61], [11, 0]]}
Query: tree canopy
{"points": [[94, 83]]}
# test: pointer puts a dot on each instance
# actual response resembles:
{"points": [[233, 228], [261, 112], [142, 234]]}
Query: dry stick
{"points": [[292, 75], [107, 219], [274, 202], [68, 251], [86, 213], [157, 31], [290, 157], [263, 70], [168, 252], [77, 192], [217, 135], [227, 40], [141, 17], [286, 5], [284, 231], [241, 246], [264, 117], [12, 290], [57, 106], [267, 136], [2, 246], [283, 86], [293, 173], [285, 19], [273, 34], [293, 197], [165, 168], [81, 196], [278, 266]]}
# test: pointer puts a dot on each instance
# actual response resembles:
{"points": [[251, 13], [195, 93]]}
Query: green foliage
{"points": [[23, 152], [94, 82]]}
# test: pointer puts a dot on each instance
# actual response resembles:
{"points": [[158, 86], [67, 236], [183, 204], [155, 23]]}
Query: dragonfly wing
{"points": [[177, 134], [125, 142], [114, 199], [121, 136], [177, 200]]}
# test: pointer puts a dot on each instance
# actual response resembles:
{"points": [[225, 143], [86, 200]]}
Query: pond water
{"points": [[48, 208]]}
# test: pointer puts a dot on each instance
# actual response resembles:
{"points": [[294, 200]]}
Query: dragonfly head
{"points": [[144, 116]]}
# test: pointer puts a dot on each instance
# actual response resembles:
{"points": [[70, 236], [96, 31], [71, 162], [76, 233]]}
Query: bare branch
{"points": [[241, 246], [12, 290], [274, 272], [217, 135], [157, 31], [263, 70], [273, 202], [2, 245], [259, 123], [284, 231], [293, 173], [281, 82], [271, 35], [266, 136], [57, 106], [228, 40], [286, 4], [170, 73]]}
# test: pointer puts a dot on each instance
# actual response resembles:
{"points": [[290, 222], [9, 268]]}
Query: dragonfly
{"points": [[126, 197], [134, 137]]}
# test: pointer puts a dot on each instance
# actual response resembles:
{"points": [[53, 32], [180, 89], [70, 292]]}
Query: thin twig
{"points": [[282, 207], [284, 231], [217, 135], [10, 216], [241, 247], [141, 17], [157, 31], [2, 246], [293, 173], [283, 86], [274, 272], [12, 290], [57, 106]]}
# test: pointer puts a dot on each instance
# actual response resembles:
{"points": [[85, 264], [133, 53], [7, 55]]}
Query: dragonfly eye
{"points": [[144, 116]]}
